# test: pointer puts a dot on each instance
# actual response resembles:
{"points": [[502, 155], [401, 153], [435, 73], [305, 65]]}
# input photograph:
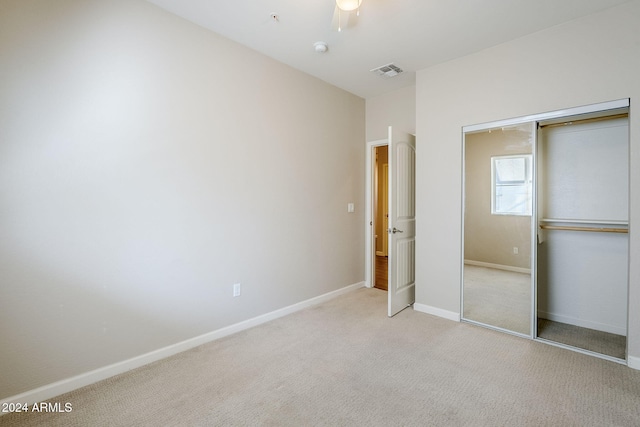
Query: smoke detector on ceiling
{"points": [[387, 71], [320, 47]]}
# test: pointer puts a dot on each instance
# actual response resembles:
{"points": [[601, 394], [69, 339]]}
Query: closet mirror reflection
{"points": [[497, 228]]}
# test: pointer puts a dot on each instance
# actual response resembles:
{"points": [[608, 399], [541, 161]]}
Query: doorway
{"points": [[381, 218]]}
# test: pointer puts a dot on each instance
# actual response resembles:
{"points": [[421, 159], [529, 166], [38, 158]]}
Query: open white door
{"points": [[402, 220]]}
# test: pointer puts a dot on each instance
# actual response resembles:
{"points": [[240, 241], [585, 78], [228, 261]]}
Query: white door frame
{"points": [[369, 230]]}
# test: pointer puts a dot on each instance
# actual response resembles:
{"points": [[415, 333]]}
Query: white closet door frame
{"points": [[575, 111]]}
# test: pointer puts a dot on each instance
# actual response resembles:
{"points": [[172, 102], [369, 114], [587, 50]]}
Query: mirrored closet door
{"points": [[498, 209], [545, 227]]}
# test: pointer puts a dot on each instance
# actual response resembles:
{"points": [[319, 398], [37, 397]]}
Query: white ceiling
{"points": [[412, 34]]}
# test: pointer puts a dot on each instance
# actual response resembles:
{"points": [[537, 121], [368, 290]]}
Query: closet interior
{"points": [[583, 240], [546, 227]]}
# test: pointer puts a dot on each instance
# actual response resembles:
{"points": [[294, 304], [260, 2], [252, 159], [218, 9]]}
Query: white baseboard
{"points": [[450, 315], [64, 386], [498, 266], [612, 329], [633, 362]]}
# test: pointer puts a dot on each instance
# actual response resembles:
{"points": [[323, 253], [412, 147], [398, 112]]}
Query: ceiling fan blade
{"points": [[336, 20], [342, 19]]}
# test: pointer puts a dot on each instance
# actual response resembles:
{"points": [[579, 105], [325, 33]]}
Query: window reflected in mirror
{"points": [[511, 185]]}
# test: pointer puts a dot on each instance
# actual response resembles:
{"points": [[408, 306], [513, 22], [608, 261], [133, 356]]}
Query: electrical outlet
{"points": [[236, 289], [515, 250]]}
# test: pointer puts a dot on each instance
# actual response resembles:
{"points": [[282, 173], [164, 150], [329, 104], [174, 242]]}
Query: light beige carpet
{"points": [[344, 363], [588, 339]]}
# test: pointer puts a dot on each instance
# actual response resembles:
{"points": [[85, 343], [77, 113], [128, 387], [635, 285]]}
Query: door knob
{"points": [[395, 230]]}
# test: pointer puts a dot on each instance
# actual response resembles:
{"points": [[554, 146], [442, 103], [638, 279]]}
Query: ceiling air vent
{"points": [[387, 71]]}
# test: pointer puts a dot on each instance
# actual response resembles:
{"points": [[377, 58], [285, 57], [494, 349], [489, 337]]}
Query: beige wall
{"points": [[397, 109], [146, 165], [589, 60]]}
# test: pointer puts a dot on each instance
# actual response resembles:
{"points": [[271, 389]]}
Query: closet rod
{"points": [[594, 229]]}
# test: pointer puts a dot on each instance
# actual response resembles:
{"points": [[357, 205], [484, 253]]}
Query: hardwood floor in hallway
{"points": [[382, 272]]}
